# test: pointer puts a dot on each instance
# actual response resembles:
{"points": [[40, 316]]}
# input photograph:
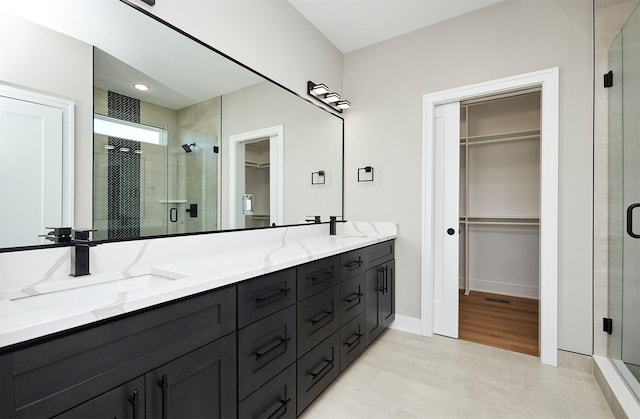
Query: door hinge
{"points": [[607, 325], [608, 79]]}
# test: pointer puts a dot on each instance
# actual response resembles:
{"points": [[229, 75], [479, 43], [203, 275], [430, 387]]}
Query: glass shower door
{"points": [[624, 202]]}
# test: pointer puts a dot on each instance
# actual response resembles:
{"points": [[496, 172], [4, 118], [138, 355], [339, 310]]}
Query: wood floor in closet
{"points": [[500, 321]]}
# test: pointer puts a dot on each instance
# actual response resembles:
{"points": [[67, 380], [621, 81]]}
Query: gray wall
{"points": [[383, 129]]}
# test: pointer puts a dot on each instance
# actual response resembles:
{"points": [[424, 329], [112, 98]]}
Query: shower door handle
{"points": [[173, 214], [630, 220]]}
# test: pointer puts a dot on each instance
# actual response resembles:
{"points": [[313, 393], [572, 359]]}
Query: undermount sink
{"points": [[105, 287]]}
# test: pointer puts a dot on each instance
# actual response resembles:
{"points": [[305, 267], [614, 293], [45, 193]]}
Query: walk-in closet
{"points": [[499, 262]]}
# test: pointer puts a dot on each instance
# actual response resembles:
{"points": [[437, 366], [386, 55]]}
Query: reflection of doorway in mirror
{"points": [[259, 149], [256, 182], [30, 171]]}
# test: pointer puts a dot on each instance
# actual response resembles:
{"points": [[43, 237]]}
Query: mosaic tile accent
{"points": [[123, 175]]}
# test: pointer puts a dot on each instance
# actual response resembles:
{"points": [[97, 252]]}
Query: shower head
{"points": [[187, 147]]}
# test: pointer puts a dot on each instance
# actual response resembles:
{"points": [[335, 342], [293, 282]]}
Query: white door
{"points": [[446, 218], [30, 171]]}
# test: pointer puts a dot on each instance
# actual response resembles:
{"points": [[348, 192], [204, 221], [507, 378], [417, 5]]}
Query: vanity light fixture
{"points": [[109, 147], [321, 92], [141, 87], [125, 149]]}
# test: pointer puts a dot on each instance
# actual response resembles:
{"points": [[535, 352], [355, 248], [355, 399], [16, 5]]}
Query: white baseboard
{"points": [[406, 324], [503, 288]]}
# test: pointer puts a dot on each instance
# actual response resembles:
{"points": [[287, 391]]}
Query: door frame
{"points": [[68, 140], [276, 170], [548, 81]]}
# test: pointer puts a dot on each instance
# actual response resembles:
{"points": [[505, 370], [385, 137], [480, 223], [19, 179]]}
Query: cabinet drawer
{"points": [[276, 399], [351, 298], [47, 378], [352, 341], [317, 369], [317, 276], [352, 263], [259, 297], [265, 348], [318, 317], [380, 253]]}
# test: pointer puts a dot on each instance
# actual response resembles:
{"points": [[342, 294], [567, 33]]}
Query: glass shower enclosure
{"points": [[623, 343], [167, 186]]}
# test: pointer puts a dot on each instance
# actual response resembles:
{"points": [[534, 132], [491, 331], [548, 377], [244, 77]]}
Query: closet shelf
{"points": [[501, 138], [255, 164], [511, 221]]}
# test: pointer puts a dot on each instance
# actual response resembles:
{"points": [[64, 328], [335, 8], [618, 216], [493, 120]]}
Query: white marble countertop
{"points": [[148, 272]]}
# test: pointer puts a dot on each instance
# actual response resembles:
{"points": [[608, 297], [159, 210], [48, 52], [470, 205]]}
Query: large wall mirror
{"points": [[210, 145]]}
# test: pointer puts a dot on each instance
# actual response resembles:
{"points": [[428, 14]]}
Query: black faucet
{"points": [[58, 234], [80, 252], [332, 225], [315, 219]]}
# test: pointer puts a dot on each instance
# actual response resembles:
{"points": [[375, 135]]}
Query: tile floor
{"points": [[407, 376]]}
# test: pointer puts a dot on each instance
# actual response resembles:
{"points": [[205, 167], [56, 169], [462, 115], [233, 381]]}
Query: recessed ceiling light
{"points": [[142, 87]]}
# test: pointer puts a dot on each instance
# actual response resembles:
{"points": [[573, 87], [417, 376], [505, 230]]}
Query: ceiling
{"points": [[354, 24]]}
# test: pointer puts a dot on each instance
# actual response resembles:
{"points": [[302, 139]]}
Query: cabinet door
{"points": [[388, 293], [201, 383], [373, 287], [126, 401]]}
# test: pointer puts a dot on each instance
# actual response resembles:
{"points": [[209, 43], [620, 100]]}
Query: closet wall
{"points": [[500, 195]]}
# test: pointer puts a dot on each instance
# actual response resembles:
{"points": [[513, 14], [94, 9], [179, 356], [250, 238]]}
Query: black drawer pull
{"points": [[328, 364], [164, 383], [261, 354], [354, 338], [135, 401], [323, 277], [273, 296], [318, 319], [353, 264], [352, 297], [283, 405]]}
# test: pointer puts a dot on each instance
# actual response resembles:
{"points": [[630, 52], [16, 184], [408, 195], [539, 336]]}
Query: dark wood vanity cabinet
{"points": [[92, 366], [265, 347]]}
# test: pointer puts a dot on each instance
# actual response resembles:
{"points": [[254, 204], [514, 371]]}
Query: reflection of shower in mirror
{"points": [[187, 147]]}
